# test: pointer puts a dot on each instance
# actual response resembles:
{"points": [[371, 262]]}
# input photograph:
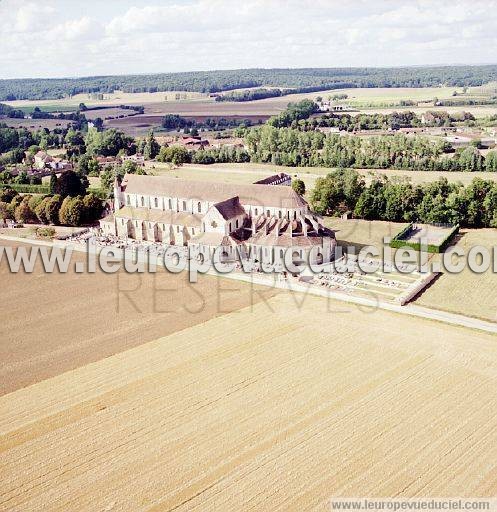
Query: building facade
{"points": [[265, 220]]}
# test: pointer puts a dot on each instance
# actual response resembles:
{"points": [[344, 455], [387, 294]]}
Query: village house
{"points": [[137, 159], [194, 142], [109, 160], [42, 161], [266, 220]]}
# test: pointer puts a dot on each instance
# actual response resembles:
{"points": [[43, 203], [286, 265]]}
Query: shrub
{"points": [[23, 213], [45, 232]]}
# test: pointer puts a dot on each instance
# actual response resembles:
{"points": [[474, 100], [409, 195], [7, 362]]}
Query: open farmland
{"points": [[51, 323], [261, 411], [200, 106], [250, 172], [36, 124], [466, 293]]}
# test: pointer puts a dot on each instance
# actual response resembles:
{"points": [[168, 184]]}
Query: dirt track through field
{"points": [[51, 323], [261, 411]]}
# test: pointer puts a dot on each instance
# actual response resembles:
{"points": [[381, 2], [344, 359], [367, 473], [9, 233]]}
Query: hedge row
{"points": [[398, 242], [27, 189]]}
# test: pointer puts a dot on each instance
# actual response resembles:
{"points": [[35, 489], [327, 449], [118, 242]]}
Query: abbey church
{"points": [[267, 218]]}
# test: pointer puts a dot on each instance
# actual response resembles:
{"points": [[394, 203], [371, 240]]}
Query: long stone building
{"points": [[266, 219]]}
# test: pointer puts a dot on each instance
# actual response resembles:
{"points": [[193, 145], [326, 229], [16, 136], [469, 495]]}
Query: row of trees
{"points": [[50, 209], [286, 146], [399, 200], [392, 121], [176, 122], [179, 155]]}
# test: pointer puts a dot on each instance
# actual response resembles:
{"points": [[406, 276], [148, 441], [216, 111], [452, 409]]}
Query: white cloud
{"points": [[65, 38]]}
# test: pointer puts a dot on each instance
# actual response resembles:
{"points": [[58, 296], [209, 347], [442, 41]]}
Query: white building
{"points": [[265, 219]]}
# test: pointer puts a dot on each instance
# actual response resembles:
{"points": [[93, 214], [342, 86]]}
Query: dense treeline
{"points": [[287, 146], [393, 121], [305, 80], [250, 95], [8, 111], [262, 93], [293, 113], [176, 122], [399, 200], [179, 155]]}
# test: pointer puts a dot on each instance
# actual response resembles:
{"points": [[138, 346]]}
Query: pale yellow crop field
{"points": [[250, 172], [466, 293], [275, 407], [116, 98], [359, 233]]}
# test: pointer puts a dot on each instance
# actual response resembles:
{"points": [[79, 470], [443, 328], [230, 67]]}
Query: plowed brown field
{"points": [[51, 323]]}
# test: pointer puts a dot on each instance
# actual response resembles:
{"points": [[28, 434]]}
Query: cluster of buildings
{"points": [[267, 218], [44, 161], [119, 160]]}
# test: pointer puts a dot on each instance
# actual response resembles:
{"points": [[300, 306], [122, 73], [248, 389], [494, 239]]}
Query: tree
{"points": [[339, 189], [92, 208], [7, 195], [107, 179], [491, 161], [88, 166], [298, 186], [72, 211], [5, 211], [41, 210], [53, 183], [129, 167], [52, 209], [23, 212], [108, 142], [372, 203], [152, 147], [70, 184], [178, 155]]}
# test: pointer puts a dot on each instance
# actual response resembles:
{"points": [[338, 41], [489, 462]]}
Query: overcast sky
{"points": [[97, 37]]}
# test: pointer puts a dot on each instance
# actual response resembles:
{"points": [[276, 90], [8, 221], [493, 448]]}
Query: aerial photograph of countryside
{"points": [[248, 255]]}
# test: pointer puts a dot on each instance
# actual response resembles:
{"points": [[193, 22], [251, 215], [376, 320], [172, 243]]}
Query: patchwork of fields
{"points": [[200, 106], [52, 323]]}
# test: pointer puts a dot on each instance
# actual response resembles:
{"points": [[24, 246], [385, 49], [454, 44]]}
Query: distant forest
{"points": [[299, 80]]}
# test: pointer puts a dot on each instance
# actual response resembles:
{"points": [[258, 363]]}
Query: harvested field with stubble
{"points": [[261, 411], [466, 293], [52, 323]]}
